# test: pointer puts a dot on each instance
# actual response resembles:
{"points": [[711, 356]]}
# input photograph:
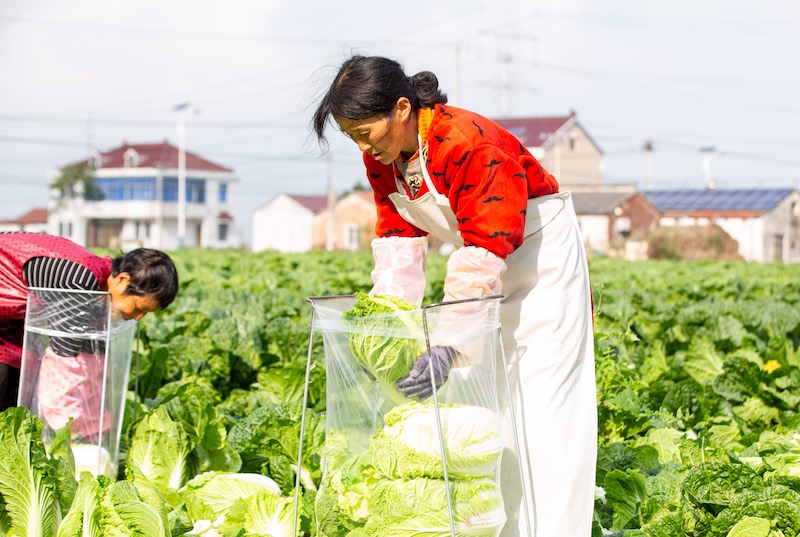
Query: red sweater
{"points": [[486, 173]]}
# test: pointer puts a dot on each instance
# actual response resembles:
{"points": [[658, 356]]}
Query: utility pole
{"points": [[183, 110], [710, 154], [458, 75], [648, 147], [330, 243], [181, 130]]}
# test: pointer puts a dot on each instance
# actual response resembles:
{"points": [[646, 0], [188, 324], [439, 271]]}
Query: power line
{"points": [[172, 33], [145, 123]]}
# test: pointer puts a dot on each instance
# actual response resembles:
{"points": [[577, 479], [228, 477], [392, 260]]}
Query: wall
{"points": [[354, 224], [783, 220], [573, 159], [594, 230], [283, 225]]}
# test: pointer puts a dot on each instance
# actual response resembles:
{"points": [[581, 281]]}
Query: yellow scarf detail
{"points": [[424, 119]]}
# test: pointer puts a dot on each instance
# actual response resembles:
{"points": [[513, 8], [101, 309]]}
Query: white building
{"points": [[286, 223], [139, 201], [765, 222], [33, 221]]}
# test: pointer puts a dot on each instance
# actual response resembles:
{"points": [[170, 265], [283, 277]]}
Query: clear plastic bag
{"points": [[395, 462], [75, 365]]}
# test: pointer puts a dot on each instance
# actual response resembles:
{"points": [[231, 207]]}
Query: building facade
{"points": [[614, 219], [135, 201], [764, 222], [562, 146], [286, 223]]}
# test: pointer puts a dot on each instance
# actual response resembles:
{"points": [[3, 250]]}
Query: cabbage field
{"points": [[698, 376]]}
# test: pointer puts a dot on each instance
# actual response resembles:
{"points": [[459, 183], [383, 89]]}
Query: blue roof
{"points": [[747, 199]]}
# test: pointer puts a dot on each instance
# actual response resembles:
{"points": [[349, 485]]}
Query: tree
{"points": [[77, 179]]}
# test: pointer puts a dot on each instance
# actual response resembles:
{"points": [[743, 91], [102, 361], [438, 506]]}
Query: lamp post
{"points": [[710, 154], [182, 109]]}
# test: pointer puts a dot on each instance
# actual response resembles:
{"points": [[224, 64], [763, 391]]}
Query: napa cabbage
{"points": [[408, 445], [386, 338], [419, 507], [104, 507], [35, 487], [221, 502], [212, 494]]}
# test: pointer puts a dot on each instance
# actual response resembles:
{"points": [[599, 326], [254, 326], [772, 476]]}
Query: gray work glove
{"points": [[418, 383]]}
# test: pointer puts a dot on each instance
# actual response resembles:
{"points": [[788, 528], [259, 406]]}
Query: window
{"points": [[222, 232], [778, 253], [127, 189], [352, 237], [223, 192], [131, 158], [622, 226], [195, 190], [96, 160], [142, 229]]}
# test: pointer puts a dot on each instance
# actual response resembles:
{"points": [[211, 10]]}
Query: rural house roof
{"points": [[313, 203], [599, 202], [717, 202], [539, 131], [157, 155], [34, 216]]}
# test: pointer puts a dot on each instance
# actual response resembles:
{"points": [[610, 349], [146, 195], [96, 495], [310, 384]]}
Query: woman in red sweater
{"points": [[451, 173]]}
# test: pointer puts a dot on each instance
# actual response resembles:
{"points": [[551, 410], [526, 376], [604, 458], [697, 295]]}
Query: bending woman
{"points": [[451, 173]]}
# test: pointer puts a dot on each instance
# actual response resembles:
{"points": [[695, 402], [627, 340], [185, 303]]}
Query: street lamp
{"points": [[710, 154], [182, 109]]}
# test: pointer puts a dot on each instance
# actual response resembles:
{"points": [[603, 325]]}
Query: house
{"points": [[764, 222], [34, 221], [286, 223], [134, 201], [561, 145], [353, 221], [613, 218]]}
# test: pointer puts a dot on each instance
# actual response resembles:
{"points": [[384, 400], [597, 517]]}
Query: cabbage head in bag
{"points": [[386, 338]]}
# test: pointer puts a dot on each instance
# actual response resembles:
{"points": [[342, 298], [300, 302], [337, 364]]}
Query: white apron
{"points": [[549, 346]]}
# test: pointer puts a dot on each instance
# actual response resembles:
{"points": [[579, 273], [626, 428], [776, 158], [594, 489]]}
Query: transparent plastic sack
{"points": [[400, 267], [395, 462], [75, 365]]}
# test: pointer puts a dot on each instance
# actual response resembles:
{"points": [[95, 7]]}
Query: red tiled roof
{"points": [[34, 216], [160, 155], [313, 203], [225, 216], [533, 131]]}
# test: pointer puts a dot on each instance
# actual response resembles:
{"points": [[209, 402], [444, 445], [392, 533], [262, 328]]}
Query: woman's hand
{"points": [[418, 383]]}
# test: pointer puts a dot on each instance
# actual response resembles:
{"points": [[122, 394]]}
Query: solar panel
{"points": [[752, 199]]}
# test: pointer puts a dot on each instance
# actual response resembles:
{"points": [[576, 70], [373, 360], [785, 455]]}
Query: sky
{"points": [[712, 85]]}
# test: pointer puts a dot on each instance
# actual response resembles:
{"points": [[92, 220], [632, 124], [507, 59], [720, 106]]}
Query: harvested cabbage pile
{"points": [[408, 445], [396, 488]]}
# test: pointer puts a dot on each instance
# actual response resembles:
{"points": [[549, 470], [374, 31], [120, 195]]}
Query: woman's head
{"points": [[142, 281], [370, 87]]}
